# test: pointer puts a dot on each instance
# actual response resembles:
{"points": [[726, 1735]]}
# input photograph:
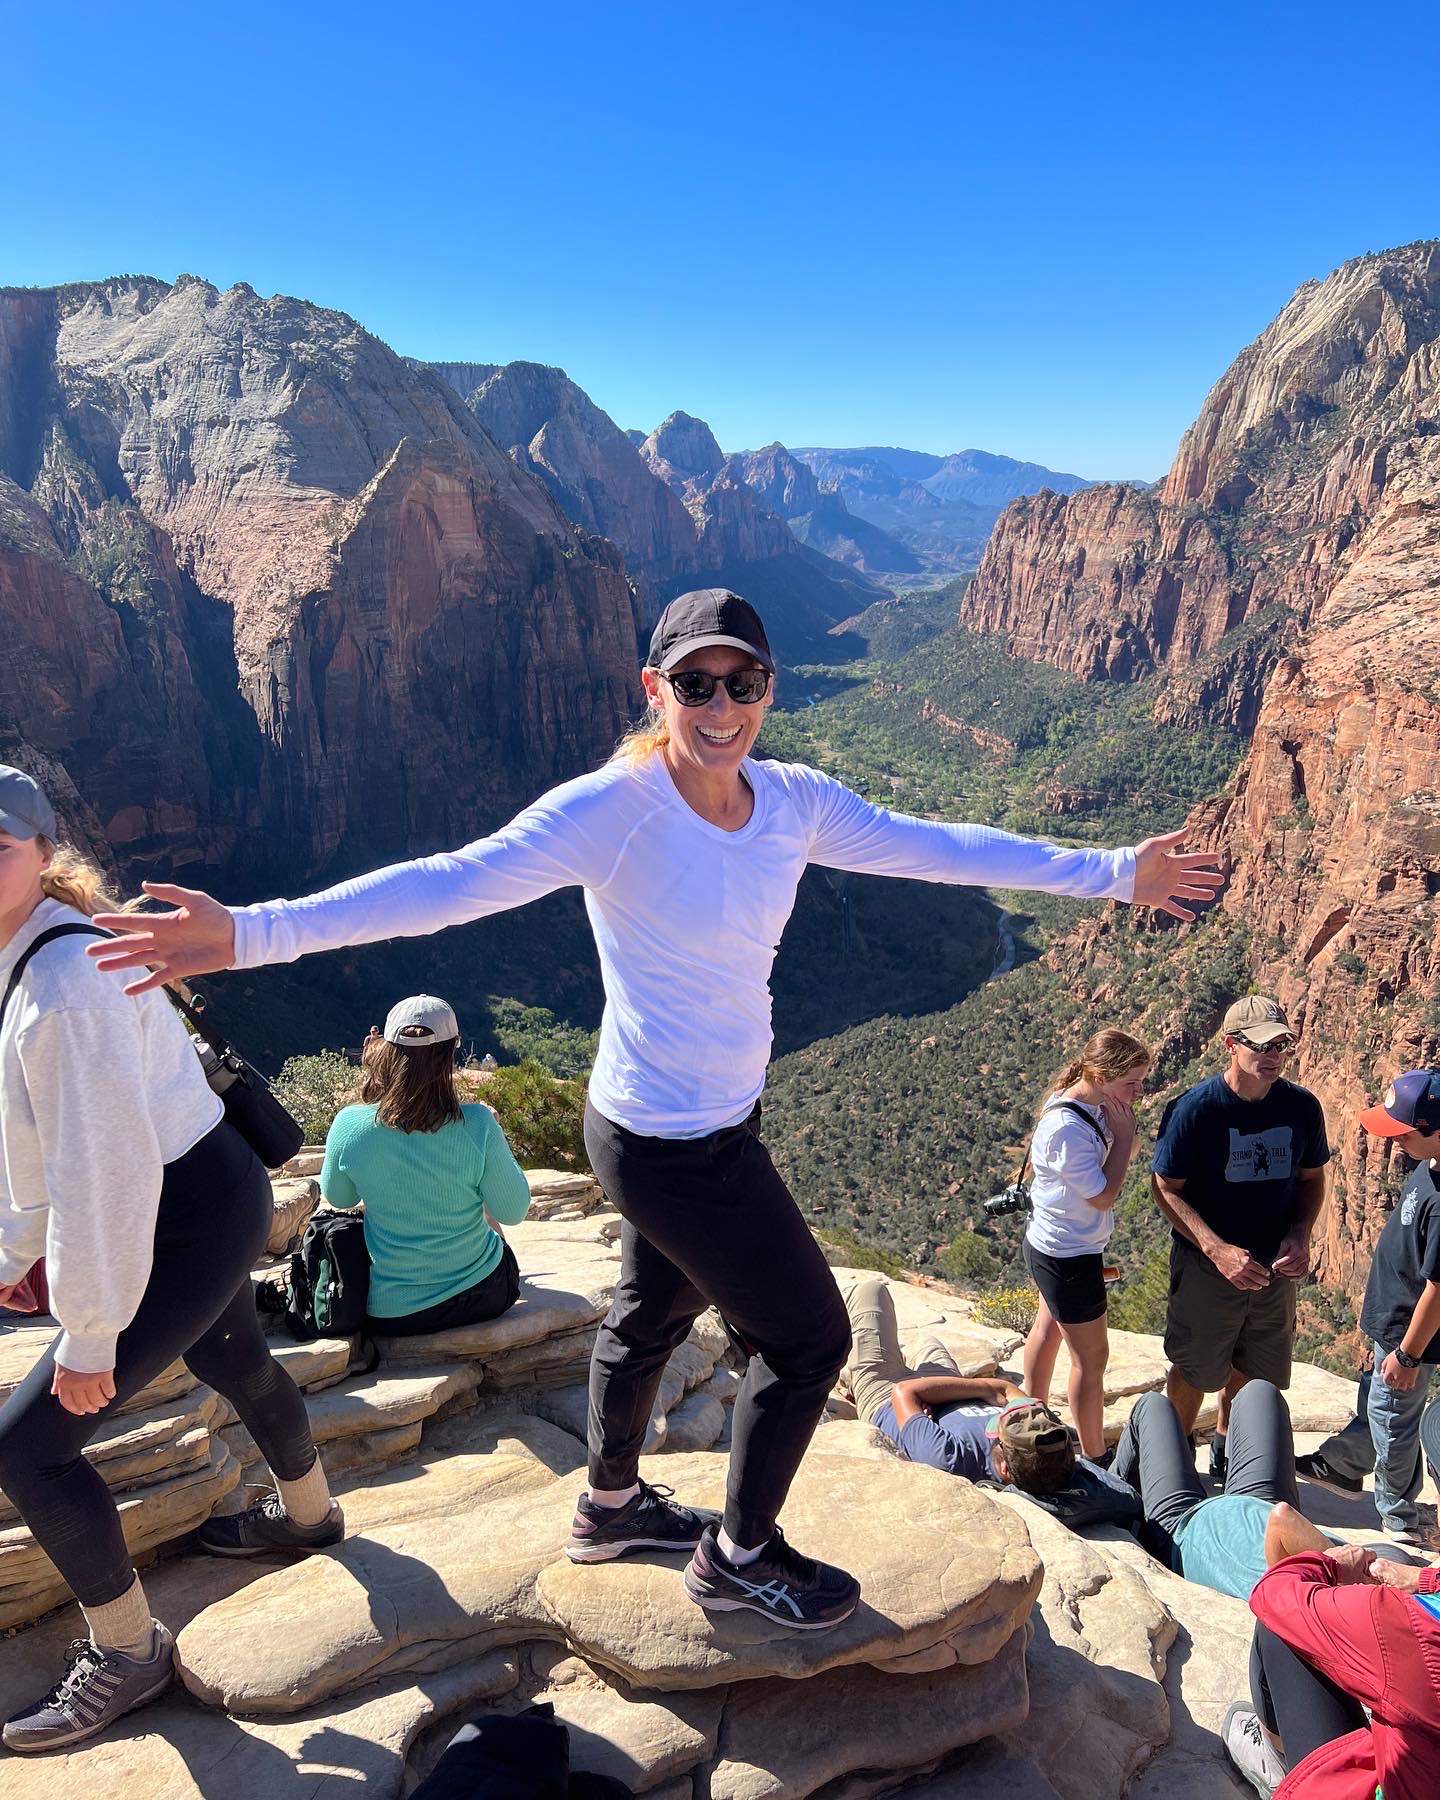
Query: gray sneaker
{"points": [[266, 1529], [1404, 1531], [97, 1688], [1252, 1753]]}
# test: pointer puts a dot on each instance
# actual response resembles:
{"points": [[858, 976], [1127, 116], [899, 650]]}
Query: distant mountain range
{"points": [[941, 509]]}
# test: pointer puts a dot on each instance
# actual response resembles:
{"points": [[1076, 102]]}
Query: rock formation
{"points": [[272, 598], [1287, 578], [1269, 504], [821, 519], [971, 1667]]}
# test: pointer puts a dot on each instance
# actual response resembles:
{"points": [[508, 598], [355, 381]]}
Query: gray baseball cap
{"points": [[422, 1019], [24, 811]]}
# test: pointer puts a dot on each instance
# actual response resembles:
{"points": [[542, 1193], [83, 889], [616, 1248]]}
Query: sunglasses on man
{"points": [[696, 687], [1281, 1046]]}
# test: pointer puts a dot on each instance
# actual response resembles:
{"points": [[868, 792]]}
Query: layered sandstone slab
{"points": [[428, 1592]]}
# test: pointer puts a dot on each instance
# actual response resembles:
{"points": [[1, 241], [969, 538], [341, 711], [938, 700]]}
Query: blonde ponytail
{"points": [[73, 880], [1109, 1055], [642, 741]]}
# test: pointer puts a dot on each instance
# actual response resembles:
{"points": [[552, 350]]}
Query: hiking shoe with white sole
{"points": [[266, 1529], [649, 1520], [1315, 1468], [1252, 1753], [782, 1585], [97, 1688]]}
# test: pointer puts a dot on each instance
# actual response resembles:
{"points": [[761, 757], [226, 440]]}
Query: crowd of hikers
{"points": [[125, 1167]]}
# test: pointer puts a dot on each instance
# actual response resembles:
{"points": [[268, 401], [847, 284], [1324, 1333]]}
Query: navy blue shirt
{"points": [[1406, 1257], [1240, 1160], [955, 1438]]}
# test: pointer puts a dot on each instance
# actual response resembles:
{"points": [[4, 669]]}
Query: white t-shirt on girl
{"points": [[1067, 1160]]}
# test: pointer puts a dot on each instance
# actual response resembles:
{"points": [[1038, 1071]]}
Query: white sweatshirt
{"points": [[686, 916], [98, 1091]]}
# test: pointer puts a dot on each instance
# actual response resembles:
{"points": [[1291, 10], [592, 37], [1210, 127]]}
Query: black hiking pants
{"points": [[709, 1222], [214, 1217]]}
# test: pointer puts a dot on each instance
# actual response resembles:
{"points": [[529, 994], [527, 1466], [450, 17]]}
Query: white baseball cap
{"points": [[422, 1019]]}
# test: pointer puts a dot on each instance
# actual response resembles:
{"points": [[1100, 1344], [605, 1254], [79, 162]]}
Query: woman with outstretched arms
{"points": [[689, 853]]}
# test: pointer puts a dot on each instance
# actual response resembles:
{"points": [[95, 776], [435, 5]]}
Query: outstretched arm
{"points": [[550, 845], [911, 1398], [850, 833]]}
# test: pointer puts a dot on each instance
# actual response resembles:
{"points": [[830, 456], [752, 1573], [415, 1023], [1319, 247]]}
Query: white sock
{"points": [[124, 1623], [610, 1498], [306, 1501], [732, 1552]]}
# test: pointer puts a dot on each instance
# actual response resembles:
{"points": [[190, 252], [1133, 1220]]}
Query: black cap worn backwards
{"points": [[707, 616]]}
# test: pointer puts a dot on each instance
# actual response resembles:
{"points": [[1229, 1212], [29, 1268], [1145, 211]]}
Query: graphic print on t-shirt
{"points": [[1259, 1156]]}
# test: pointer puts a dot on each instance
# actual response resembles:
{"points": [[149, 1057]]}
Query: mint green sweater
{"points": [[426, 1194]]}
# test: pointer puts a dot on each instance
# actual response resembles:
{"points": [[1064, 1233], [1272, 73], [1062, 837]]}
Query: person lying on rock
{"points": [[1400, 1316], [1221, 1542], [689, 851], [428, 1168], [118, 1166], [982, 1427], [1344, 1680], [1239, 1173]]}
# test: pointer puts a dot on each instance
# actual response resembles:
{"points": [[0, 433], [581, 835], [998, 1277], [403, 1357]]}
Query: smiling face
{"points": [[21, 862], [713, 739]]}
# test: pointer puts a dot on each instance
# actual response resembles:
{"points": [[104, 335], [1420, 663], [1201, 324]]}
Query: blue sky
{"points": [[1041, 230]]}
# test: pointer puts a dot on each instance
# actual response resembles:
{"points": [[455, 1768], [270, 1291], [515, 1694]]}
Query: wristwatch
{"points": [[1406, 1360]]}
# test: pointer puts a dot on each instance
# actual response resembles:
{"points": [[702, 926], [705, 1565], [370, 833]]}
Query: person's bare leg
{"points": [[1089, 1353], [1186, 1400], [1041, 1348], [1231, 1388]]}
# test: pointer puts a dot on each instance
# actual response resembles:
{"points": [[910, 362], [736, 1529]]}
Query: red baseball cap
{"points": [[1411, 1103]]}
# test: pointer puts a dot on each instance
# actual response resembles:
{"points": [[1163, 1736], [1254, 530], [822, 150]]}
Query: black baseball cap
{"points": [[707, 616]]}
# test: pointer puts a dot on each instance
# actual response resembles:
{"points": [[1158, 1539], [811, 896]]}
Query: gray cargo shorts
{"points": [[1212, 1327]]}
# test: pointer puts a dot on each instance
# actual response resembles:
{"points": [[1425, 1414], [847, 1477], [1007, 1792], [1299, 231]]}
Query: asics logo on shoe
{"points": [[773, 1593]]}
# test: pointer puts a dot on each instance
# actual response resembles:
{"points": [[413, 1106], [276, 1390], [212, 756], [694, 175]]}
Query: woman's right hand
{"points": [[1120, 1116], [197, 938]]}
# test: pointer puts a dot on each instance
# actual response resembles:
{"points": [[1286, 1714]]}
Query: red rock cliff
{"points": [[272, 597]]}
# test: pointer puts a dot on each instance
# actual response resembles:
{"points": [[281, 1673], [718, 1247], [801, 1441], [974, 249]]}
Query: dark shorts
{"points": [[1073, 1287], [1212, 1327]]}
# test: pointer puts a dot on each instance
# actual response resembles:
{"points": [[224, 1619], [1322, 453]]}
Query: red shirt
{"points": [[1379, 1645]]}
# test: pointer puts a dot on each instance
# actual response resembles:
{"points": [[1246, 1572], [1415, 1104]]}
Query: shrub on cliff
{"points": [[315, 1088]]}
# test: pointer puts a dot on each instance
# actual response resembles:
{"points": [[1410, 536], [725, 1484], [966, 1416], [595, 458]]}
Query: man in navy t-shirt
{"points": [[1239, 1171]]}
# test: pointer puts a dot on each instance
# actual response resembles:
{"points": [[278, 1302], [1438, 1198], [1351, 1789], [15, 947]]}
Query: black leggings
{"points": [[1296, 1703], [214, 1216], [708, 1221]]}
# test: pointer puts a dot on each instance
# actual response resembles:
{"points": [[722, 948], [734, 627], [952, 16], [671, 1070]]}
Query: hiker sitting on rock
{"points": [[119, 1168], [428, 1168], [1221, 1542], [1079, 1154], [1400, 1316], [1239, 1172], [690, 853], [1344, 1680]]}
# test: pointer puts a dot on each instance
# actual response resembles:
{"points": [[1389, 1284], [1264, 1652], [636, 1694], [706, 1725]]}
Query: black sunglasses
{"points": [[696, 687], [1281, 1046]]}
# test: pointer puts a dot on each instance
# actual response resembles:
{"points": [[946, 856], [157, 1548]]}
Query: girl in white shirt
{"points": [[689, 853], [1079, 1154], [119, 1168]]}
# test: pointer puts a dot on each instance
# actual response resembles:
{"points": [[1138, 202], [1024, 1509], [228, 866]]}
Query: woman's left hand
{"points": [[79, 1393], [1165, 876]]}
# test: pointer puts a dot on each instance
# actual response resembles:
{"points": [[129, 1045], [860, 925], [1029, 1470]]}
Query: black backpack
{"points": [[329, 1283]]}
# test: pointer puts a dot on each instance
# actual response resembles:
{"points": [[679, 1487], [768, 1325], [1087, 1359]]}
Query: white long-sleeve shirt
{"points": [[98, 1091], [686, 916]]}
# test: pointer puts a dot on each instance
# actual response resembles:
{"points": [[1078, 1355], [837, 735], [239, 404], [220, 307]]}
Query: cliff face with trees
{"points": [[271, 598], [1288, 576]]}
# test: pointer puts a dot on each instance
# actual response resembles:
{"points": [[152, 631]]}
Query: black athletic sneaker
{"points": [[650, 1520], [1315, 1468], [1219, 1461], [790, 1589], [266, 1528], [97, 1688]]}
